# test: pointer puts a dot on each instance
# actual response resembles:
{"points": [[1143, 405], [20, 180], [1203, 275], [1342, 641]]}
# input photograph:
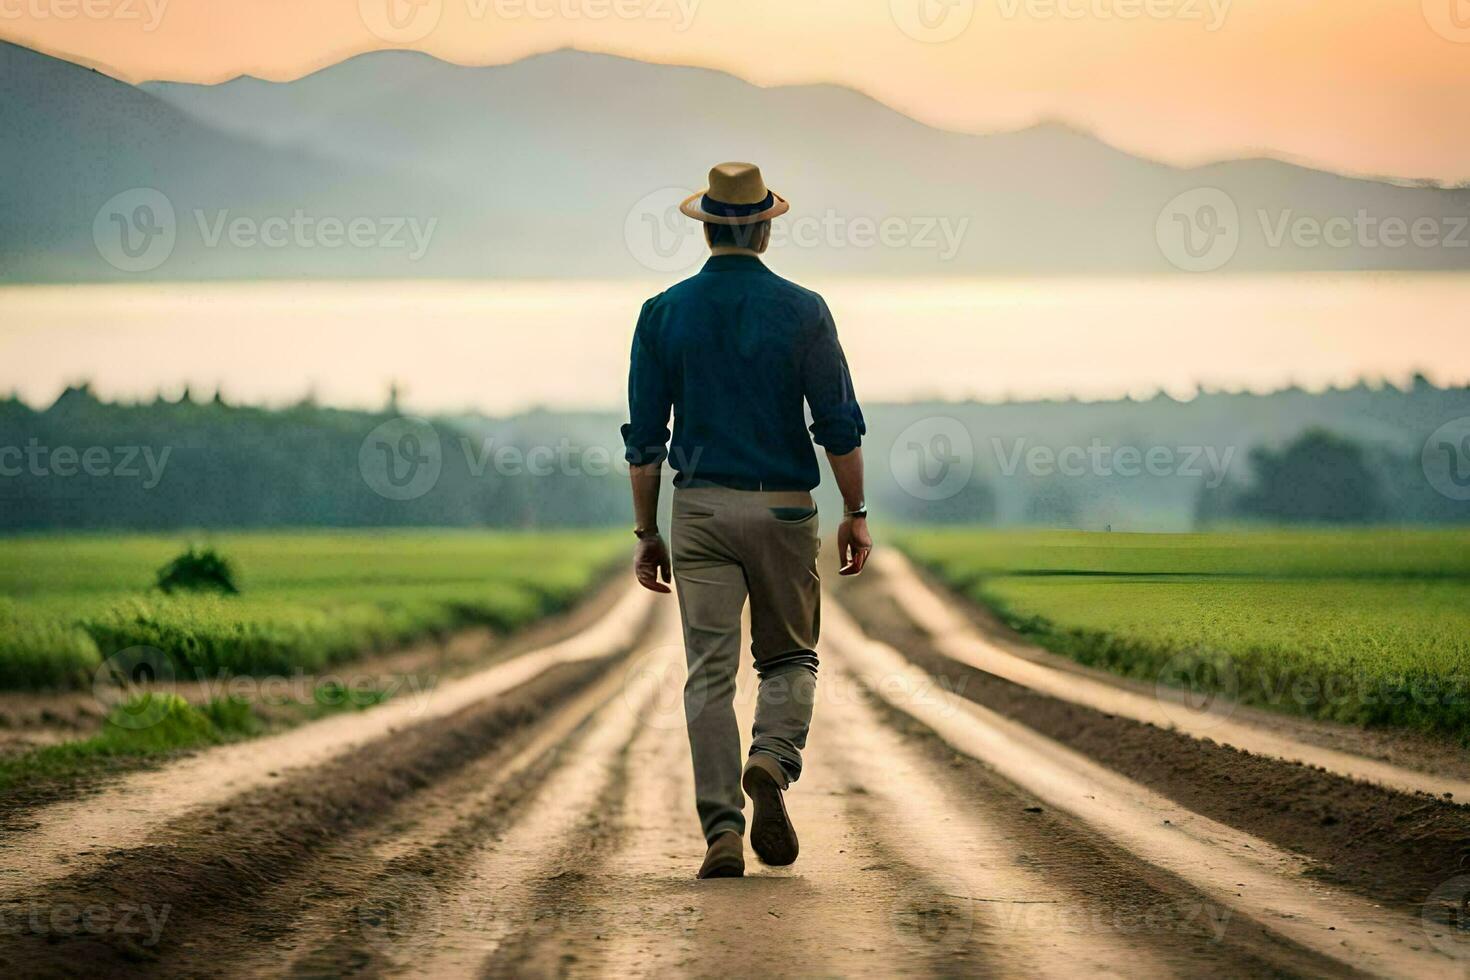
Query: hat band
{"points": [[723, 210]]}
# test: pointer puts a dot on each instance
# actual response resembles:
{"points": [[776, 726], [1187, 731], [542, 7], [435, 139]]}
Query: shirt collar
{"points": [[733, 263]]}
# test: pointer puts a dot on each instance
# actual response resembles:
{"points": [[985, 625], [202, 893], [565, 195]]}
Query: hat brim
{"points": [[693, 208]]}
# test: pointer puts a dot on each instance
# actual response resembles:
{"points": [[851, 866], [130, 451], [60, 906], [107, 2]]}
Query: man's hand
{"points": [[853, 545], [650, 560]]}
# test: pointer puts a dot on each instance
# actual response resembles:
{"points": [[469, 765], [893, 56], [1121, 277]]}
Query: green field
{"points": [[307, 600], [1364, 626]]}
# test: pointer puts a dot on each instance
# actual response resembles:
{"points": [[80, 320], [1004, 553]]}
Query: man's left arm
{"points": [[838, 426]]}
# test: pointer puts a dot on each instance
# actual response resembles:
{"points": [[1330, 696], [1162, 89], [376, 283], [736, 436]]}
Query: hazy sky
{"points": [[1364, 86]]}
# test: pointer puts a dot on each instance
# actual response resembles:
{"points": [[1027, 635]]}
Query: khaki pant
{"points": [[730, 545]]}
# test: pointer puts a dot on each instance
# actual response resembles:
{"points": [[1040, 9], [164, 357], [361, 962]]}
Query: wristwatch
{"points": [[645, 532], [861, 510]]}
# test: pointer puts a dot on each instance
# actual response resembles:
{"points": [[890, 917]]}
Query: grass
{"points": [[308, 600], [172, 725], [155, 725], [1364, 626]]}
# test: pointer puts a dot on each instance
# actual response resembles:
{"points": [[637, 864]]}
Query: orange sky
{"points": [[1363, 86]]}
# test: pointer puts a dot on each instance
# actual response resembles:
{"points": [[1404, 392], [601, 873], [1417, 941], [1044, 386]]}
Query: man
{"points": [[734, 351]]}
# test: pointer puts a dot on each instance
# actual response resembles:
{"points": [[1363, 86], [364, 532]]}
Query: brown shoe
{"points": [[725, 857], [771, 835]]}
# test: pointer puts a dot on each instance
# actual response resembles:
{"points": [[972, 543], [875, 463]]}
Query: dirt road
{"points": [[536, 819]]}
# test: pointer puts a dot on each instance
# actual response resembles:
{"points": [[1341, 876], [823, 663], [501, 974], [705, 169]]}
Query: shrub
{"points": [[198, 571]]}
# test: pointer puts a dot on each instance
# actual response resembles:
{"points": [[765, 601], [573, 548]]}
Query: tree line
{"points": [[1346, 456]]}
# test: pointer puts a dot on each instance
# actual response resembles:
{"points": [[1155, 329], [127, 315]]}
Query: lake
{"points": [[504, 346]]}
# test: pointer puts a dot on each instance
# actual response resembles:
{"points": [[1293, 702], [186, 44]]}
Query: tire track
{"points": [[845, 909], [327, 919], [496, 901], [1220, 863], [954, 636], [205, 871], [1390, 847], [900, 874], [67, 837], [1042, 899], [556, 836]]}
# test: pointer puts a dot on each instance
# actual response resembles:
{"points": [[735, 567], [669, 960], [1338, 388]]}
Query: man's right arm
{"points": [[645, 444]]}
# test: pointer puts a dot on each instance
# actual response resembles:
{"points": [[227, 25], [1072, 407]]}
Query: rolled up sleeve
{"points": [[837, 419], [646, 433]]}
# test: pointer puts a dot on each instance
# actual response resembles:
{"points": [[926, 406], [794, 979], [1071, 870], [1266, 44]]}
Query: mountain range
{"points": [[565, 165]]}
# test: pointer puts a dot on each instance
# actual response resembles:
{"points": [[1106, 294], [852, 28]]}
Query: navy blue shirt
{"points": [[734, 351]]}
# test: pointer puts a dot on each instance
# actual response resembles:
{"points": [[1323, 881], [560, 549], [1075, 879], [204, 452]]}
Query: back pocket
{"points": [[793, 515]]}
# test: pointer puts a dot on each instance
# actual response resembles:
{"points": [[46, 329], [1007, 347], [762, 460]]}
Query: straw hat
{"points": [[736, 196]]}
